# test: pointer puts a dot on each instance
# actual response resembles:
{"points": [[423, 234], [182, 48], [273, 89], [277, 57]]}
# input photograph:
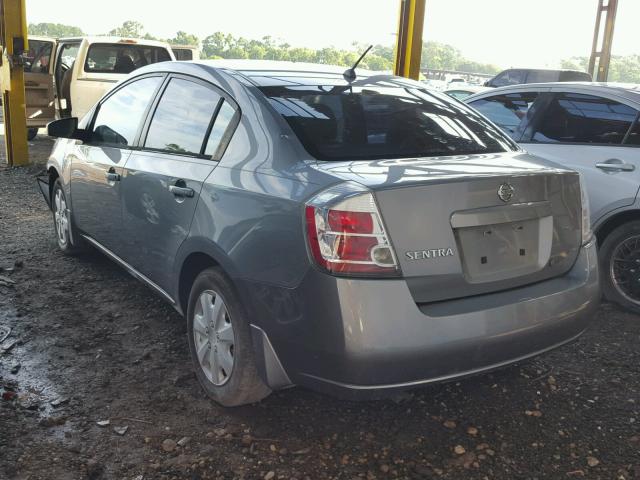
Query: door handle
{"points": [[181, 191], [112, 176], [615, 165]]}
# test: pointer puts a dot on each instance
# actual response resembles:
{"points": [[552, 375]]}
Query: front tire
{"points": [[620, 266], [31, 133], [220, 342], [62, 222]]}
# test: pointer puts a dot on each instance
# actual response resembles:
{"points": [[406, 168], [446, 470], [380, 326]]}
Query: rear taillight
{"points": [[346, 235]]}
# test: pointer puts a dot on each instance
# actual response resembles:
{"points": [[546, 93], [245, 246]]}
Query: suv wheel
{"points": [[220, 342], [62, 223], [620, 266]]}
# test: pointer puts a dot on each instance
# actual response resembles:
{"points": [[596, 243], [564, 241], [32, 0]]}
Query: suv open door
{"points": [[38, 82]]}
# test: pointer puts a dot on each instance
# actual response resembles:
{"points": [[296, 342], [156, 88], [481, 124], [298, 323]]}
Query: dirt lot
{"points": [[89, 344]]}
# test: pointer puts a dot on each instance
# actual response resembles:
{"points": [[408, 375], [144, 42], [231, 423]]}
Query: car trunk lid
{"points": [[470, 225]]}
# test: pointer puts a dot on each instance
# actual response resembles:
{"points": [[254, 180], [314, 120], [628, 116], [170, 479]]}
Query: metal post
{"points": [[13, 40], [409, 42], [601, 57]]}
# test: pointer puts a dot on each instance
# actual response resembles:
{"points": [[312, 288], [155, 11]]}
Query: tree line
{"points": [[224, 45], [434, 54]]}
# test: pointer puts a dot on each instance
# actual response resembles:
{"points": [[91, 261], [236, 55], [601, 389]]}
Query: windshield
{"points": [[354, 123]]}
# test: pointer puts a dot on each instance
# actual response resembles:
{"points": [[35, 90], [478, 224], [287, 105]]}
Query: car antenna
{"points": [[350, 73]]}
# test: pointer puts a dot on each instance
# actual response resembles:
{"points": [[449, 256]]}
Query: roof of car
{"points": [[112, 39], [627, 90], [267, 73], [274, 73]]}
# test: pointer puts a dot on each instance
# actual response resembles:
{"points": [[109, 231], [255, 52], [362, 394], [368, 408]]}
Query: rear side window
{"points": [[220, 127], [634, 135], [182, 117], [122, 58], [507, 111], [542, 76], [578, 118], [369, 122], [575, 77], [120, 115], [183, 54]]}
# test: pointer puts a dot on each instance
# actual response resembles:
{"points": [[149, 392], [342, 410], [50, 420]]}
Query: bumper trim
{"points": [[442, 378]]}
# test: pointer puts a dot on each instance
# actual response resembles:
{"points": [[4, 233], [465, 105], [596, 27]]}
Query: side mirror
{"points": [[65, 128]]}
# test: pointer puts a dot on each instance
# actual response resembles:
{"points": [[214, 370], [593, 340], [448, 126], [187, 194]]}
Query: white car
{"points": [[594, 129], [66, 77]]}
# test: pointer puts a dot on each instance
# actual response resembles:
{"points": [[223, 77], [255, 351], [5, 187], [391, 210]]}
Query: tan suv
{"points": [[66, 77]]}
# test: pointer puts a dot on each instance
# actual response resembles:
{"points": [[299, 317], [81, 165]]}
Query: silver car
{"points": [[594, 129], [355, 236]]}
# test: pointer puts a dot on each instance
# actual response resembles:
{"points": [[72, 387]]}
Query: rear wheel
{"points": [[620, 266], [220, 342], [31, 133]]}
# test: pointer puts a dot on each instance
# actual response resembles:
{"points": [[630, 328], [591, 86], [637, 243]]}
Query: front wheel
{"points": [[62, 220], [31, 133], [220, 342], [620, 266]]}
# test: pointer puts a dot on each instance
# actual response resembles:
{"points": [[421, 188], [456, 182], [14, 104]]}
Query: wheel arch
{"points": [[195, 255], [53, 175], [614, 221]]}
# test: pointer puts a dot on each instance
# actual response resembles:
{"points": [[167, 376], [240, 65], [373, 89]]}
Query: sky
{"points": [[508, 33]]}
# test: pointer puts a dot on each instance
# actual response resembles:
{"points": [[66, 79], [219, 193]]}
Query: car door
{"points": [[593, 135], [64, 64], [38, 81], [162, 181], [98, 164]]}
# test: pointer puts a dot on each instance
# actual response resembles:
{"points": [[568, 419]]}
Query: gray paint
{"points": [[326, 331]]}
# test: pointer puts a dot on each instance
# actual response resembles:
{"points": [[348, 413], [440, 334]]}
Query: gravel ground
{"points": [[89, 344]]}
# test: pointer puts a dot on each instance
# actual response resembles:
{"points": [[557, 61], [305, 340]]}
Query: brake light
{"points": [[346, 235]]}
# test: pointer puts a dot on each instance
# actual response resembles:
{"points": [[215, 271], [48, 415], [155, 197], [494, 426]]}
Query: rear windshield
{"points": [[122, 58], [355, 123]]}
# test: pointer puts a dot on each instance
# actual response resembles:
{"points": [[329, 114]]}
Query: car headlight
{"points": [[586, 213]]}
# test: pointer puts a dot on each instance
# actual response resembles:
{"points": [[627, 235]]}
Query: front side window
{"points": [[119, 116], [507, 111], [579, 118], [38, 56], [122, 58], [369, 122], [182, 117]]}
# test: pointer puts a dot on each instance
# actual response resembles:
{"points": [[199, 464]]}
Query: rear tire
{"points": [[63, 223], [620, 266], [220, 342], [31, 133]]}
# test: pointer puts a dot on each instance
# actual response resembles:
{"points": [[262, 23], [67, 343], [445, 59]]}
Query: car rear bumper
{"points": [[369, 336]]}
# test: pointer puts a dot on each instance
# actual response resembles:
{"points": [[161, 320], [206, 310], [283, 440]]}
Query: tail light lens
{"points": [[346, 235]]}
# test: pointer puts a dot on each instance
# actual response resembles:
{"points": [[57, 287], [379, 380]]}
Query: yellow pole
{"points": [[409, 41], [13, 39]]}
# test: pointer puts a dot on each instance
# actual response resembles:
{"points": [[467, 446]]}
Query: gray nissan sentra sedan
{"points": [[355, 236]]}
